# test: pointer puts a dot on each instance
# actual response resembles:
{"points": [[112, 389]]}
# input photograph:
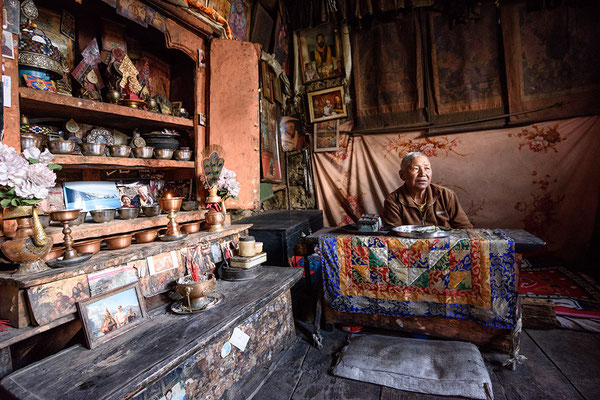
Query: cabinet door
{"points": [[233, 115]]}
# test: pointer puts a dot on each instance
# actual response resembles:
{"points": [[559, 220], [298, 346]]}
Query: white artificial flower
{"points": [[46, 157], [13, 167], [32, 152], [38, 179], [228, 182]]}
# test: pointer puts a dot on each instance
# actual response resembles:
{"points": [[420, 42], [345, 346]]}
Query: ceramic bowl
{"points": [[189, 205], [192, 227], [151, 211], [128, 212], [61, 146], [143, 152], [93, 149], [104, 215], [119, 242], [88, 246], [120, 150], [183, 154], [163, 154], [146, 236], [79, 220]]}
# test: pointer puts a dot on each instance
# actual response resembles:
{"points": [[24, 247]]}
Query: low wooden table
{"points": [[170, 350]]}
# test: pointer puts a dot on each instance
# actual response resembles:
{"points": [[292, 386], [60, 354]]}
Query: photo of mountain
{"points": [[91, 195]]}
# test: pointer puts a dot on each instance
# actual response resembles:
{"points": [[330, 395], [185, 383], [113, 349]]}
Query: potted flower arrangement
{"points": [[227, 186]]}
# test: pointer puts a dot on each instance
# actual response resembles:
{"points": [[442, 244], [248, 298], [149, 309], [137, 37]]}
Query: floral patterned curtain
{"points": [[543, 177]]}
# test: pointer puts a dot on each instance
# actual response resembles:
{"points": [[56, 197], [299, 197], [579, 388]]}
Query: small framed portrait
{"points": [[326, 136], [327, 104], [111, 314], [290, 130], [267, 81], [8, 48], [320, 53]]}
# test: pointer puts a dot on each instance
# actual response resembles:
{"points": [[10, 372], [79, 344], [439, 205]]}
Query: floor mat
{"points": [[573, 294], [424, 366]]}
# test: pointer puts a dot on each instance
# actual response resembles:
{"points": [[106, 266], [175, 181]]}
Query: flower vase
{"points": [[214, 220]]}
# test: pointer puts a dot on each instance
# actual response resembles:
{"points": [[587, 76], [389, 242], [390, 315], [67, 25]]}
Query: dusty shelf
{"points": [[38, 103], [72, 161]]}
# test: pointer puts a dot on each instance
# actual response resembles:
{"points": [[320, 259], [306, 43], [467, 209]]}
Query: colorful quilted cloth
{"points": [[469, 275]]}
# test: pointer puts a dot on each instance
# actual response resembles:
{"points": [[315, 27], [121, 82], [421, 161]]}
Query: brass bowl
{"points": [[120, 150], [151, 211], [128, 212], [183, 154], [197, 290], [170, 204], [88, 246], [163, 154], [61, 146], [104, 215], [146, 236], [119, 242], [65, 215], [192, 227], [55, 252], [143, 152], [189, 205], [79, 220], [93, 149]]}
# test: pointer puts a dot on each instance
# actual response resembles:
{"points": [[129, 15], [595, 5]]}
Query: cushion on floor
{"points": [[424, 366]]}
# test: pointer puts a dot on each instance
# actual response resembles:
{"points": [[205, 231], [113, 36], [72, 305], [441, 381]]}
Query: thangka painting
{"points": [[54, 300]]}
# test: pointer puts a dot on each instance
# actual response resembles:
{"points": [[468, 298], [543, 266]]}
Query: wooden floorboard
{"points": [[577, 356]]}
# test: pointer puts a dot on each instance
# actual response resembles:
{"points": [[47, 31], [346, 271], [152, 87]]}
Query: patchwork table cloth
{"points": [[469, 275]]}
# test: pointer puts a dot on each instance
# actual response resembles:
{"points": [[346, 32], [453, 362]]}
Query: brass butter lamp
{"points": [[70, 256], [171, 205]]}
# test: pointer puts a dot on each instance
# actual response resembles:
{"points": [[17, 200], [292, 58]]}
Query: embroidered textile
{"points": [[469, 275]]}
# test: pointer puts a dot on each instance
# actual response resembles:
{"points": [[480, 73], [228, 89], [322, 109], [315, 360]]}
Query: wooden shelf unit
{"points": [[92, 229], [73, 161], [39, 103]]}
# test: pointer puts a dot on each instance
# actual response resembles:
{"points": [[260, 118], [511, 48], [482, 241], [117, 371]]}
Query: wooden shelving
{"points": [[69, 161], [38, 103], [116, 226]]}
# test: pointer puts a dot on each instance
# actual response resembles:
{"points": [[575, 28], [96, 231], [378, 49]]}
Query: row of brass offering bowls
{"points": [[120, 150]]}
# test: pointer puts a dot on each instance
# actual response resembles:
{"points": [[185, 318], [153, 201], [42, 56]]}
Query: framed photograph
{"points": [[54, 300], [269, 143], [290, 130], [326, 136], [327, 104], [92, 195], [239, 19], [162, 262], [267, 81], [111, 314], [8, 47], [320, 53], [111, 279], [135, 194]]}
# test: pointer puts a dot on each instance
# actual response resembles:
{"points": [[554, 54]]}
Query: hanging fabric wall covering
{"points": [[387, 73], [465, 63], [552, 56], [543, 178]]}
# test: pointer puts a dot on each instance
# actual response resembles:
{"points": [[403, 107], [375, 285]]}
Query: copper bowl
{"points": [[146, 236], [192, 227], [170, 203], [119, 242], [54, 252], [88, 246], [197, 290], [65, 215]]}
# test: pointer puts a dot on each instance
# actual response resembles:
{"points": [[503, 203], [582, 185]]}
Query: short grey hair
{"points": [[408, 159]]}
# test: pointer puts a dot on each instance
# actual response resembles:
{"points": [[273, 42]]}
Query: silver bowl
{"points": [[183, 154], [128, 212], [93, 149], [61, 146], [143, 152], [163, 154], [104, 215], [189, 205], [79, 220], [151, 211], [120, 150], [28, 141]]}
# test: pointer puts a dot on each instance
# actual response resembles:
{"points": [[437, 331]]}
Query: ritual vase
{"points": [[30, 244], [214, 220]]}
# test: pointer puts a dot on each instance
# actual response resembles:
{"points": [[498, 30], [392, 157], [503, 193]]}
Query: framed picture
{"points": [[8, 47], [269, 143], [92, 195], [262, 27], [281, 44], [290, 130], [326, 136], [54, 300], [327, 104], [111, 279], [135, 194], [239, 19], [267, 80], [320, 53], [111, 314]]}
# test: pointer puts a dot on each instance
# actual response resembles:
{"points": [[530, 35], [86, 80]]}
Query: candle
{"points": [[168, 196]]}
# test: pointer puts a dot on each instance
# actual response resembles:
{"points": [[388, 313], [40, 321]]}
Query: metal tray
{"points": [[419, 232]]}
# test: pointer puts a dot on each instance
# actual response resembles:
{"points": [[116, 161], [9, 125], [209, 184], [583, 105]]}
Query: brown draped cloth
{"points": [[542, 177]]}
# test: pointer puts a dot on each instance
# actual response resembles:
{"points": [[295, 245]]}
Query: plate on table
{"points": [[420, 231], [353, 229]]}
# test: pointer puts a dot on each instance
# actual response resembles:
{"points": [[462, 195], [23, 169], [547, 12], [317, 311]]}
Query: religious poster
{"points": [[327, 104], [239, 19], [269, 143], [281, 45], [320, 53], [326, 136], [290, 130], [53, 300]]}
